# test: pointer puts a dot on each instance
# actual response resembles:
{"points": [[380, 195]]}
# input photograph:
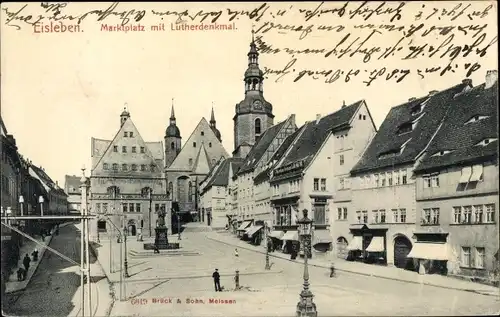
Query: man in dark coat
{"points": [[26, 262], [216, 277]]}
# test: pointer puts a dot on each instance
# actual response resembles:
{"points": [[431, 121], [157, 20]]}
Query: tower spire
{"points": [[172, 112], [253, 33], [212, 116]]}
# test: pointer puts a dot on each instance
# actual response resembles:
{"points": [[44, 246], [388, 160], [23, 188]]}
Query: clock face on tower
{"points": [[257, 104]]}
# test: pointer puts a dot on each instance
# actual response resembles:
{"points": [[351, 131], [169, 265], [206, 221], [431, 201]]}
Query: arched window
{"points": [[124, 167], [113, 191], [214, 161], [254, 84], [170, 190], [115, 167], [134, 167], [172, 146], [257, 126], [190, 192]]}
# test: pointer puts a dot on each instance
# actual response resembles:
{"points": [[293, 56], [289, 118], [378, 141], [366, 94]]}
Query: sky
{"points": [[60, 89]]}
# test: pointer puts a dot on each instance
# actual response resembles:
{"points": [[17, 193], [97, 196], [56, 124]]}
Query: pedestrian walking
{"points": [[236, 252], [26, 262], [216, 277], [35, 255], [20, 274]]}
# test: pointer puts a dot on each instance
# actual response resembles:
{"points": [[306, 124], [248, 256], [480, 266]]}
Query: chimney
{"points": [[343, 104], [491, 78], [433, 92], [318, 117], [412, 99]]}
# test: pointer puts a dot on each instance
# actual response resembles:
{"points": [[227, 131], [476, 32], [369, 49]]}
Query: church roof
{"points": [[245, 106], [220, 176], [400, 139], [474, 118], [173, 131]]}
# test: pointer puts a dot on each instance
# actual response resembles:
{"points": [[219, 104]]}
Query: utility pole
{"points": [[87, 244]]}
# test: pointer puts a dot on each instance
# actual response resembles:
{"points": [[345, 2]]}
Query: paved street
{"points": [[272, 293], [54, 289]]}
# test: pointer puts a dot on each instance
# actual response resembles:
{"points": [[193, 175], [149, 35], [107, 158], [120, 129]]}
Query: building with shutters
{"points": [[457, 188], [383, 216], [127, 182]]}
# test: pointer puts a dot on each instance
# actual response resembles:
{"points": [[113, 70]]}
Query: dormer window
{"points": [[390, 153], [405, 128], [476, 118], [486, 142], [442, 153], [416, 110]]}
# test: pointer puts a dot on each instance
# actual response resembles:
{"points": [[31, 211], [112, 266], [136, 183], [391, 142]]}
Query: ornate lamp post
{"points": [[125, 262], [21, 204], [268, 267], [40, 200], [306, 307]]}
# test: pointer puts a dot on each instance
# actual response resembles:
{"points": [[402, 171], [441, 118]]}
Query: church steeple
{"points": [[172, 114], [253, 76], [212, 117], [213, 125]]}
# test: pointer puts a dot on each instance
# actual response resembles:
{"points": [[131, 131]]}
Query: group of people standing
{"points": [[22, 272]]}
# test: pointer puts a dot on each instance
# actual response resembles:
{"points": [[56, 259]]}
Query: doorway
{"points": [[402, 247]]}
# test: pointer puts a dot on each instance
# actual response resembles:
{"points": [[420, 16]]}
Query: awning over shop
{"points": [[322, 236], [276, 234], [252, 230], [291, 235], [356, 243], [376, 245], [244, 225], [429, 251]]}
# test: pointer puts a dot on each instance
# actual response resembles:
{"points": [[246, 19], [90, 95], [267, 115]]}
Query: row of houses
{"points": [[419, 193]]}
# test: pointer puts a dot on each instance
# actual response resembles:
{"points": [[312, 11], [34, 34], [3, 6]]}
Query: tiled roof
{"points": [[314, 135], [264, 175], [260, 147], [220, 175], [461, 138], [47, 180], [389, 141]]}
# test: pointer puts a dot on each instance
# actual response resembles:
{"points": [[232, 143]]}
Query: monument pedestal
{"points": [[161, 239]]}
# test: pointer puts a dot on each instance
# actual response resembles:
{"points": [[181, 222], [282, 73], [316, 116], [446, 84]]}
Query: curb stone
{"points": [[361, 273]]}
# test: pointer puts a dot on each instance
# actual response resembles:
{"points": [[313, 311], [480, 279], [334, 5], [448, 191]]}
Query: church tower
{"points": [[124, 116], [172, 139], [253, 114]]}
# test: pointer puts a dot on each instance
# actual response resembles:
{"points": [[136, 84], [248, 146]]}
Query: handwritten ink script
{"points": [[326, 42]]}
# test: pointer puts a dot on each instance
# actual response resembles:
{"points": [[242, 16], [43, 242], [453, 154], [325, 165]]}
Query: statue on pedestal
{"points": [[161, 241], [161, 218]]}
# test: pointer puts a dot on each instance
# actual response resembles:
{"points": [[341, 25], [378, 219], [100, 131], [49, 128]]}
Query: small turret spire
{"points": [[253, 33], [172, 112], [212, 116]]}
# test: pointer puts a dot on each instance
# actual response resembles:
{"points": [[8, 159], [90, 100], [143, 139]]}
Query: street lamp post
{"points": [[150, 207], [268, 267], [306, 307], [125, 262]]}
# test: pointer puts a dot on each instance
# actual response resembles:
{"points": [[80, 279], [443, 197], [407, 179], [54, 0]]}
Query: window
{"points": [[190, 162], [396, 178], [478, 214], [131, 134], [319, 214], [125, 134], [480, 258], [105, 207], [382, 180], [435, 216], [403, 177], [214, 162], [124, 149], [152, 167], [467, 214], [143, 167], [194, 144], [490, 213], [202, 133], [389, 178], [431, 181], [427, 181], [190, 192], [323, 184], [395, 216], [402, 215], [376, 180], [115, 148], [209, 144], [124, 167], [457, 214], [375, 216], [426, 216], [138, 207], [134, 167], [98, 207], [316, 184], [485, 142], [345, 213], [115, 167], [342, 183], [435, 180], [257, 126], [105, 166], [466, 257], [124, 207], [134, 149], [382, 215], [157, 208], [131, 207], [341, 159], [172, 146], [358, 215], [364, 117], [365, 216]]}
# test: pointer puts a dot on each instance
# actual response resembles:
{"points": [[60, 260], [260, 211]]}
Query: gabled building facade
{"points": [[232, 194], [382, 221], [72, 189], [305, 176], [127, 182], [192, 163], [457, 189]]}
